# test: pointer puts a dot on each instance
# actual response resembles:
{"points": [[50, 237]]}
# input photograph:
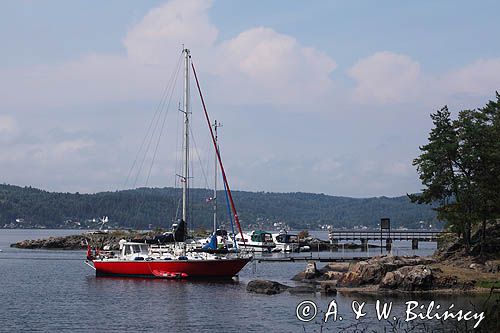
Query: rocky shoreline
{"points": [[385, 274], [452, 269], [79, 242]]}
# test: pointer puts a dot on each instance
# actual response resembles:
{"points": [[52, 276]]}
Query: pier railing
{"points": [[419, 235]]}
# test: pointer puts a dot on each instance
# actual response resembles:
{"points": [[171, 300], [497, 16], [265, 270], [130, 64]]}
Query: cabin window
{"points": [[221, 232], [127, 250], [136, 248]]}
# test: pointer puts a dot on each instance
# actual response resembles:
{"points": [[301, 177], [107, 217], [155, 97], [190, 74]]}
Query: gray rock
{"points": [[310, 273], [266, 287], [335, 267], [408, 278], [332, 275], [374, 270], [350, 279], [493, 266], [300, 276]]}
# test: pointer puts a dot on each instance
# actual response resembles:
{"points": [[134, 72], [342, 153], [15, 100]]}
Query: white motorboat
{"points": [[257, 241], [289, 242]]}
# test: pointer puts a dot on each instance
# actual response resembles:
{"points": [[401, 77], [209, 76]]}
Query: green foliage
{"points": [[460, 167], [436, 163], [158, 207], [488, 284]]}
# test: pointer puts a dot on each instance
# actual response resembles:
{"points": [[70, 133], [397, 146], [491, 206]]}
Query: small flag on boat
{"points": [[89, 252]]}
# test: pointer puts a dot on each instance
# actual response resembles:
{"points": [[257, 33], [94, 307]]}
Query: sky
{"points": [[327, 97]]}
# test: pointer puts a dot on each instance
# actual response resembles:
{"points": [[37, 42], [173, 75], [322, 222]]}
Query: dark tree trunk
{"points": [[483, 238], [468, 235]]}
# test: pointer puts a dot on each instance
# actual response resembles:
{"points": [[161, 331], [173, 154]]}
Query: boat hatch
{"points": [[287, 238], [136, 248], [221, 232], [262, 236]]}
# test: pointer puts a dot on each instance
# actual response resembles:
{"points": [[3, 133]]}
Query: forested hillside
{"points": [[158, 207]]}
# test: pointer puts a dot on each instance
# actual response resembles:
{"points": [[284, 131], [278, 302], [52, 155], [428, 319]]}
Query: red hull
{"points": [[224, 268]]}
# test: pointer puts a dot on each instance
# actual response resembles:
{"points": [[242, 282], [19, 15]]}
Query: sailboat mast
{"points": [[215, 125], [185, 175]]}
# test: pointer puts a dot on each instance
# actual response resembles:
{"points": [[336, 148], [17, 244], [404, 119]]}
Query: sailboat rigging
{"points": [[179, 259]]}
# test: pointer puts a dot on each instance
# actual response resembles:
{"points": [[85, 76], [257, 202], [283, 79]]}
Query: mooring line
{"points": [[42, 258]]}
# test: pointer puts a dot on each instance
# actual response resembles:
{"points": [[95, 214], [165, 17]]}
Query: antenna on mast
{"points": [[215, 125]]}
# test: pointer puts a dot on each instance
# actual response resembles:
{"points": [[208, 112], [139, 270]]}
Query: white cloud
{"points": [[269, 67], [386, 77], [258, 66], [479, 78], [160, 33]]}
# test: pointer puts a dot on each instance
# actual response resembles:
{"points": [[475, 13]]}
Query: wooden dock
{"points": [[310, 258], [415, 236]]}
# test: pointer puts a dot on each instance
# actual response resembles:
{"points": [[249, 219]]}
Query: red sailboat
{"points": [[176, 260]]}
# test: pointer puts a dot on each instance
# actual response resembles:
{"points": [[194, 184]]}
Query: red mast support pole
{"points": [[236, 219]]}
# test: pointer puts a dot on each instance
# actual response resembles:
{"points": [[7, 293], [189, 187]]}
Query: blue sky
{"points": [[324, 96]]}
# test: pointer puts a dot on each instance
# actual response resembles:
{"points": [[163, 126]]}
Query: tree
{"points": [[480, 151], [436, 168], [460, 168]]}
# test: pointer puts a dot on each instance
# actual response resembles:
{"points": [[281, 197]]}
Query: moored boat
{"points": [[289, 242], [257, 241], [177, 259], [140, 260]]}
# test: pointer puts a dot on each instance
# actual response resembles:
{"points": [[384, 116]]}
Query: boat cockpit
{"points": [[134, 251]]}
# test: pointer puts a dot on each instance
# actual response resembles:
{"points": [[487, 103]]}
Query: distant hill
{"points": [[157, 207]]}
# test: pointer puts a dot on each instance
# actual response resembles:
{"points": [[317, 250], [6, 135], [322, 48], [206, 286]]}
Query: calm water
{"points": [[52, 290]]}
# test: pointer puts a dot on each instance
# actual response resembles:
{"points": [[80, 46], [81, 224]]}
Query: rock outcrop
{"points": [[77, 242], [74, 242], [310, 273], [408, 278], [452, 249], [266, 287], [372, 271], [409, 273]]}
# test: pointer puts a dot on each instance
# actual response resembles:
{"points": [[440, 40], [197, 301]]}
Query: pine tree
{"points": [[460, 168]]}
